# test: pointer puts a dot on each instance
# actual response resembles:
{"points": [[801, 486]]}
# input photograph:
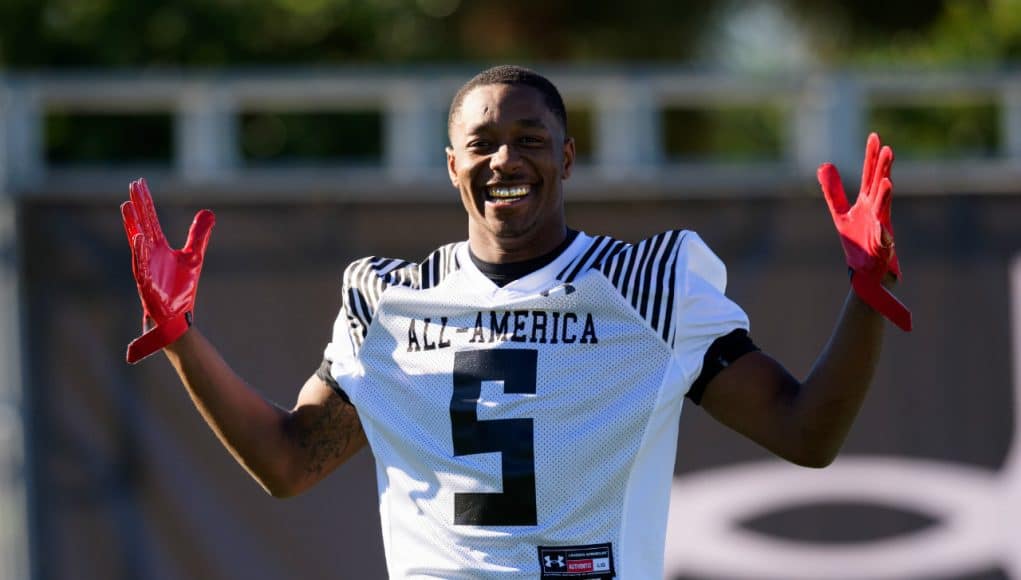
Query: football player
{"points": [[521, 390]]}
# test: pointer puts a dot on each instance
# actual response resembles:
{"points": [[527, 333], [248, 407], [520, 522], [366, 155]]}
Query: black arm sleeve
{"points": [[325, 374], [720, 354]]}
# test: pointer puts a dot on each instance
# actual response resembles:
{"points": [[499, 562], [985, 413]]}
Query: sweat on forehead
{"points": [[513, 75]]}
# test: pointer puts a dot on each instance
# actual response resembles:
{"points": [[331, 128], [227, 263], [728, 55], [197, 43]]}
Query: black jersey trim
{"points": [[600, 247], [326, 375], [366, 279], [645, 275], [435, 268], [720, 354], [665, 283]]}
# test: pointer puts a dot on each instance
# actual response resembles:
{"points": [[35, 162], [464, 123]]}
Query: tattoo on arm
{"points": [[330, 433]]}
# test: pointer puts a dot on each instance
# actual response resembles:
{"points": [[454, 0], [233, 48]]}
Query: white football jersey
{"points": [[529, 431]]}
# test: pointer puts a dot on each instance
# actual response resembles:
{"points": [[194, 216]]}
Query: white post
{"points": [[628, 132], [14, 530], [414, 131], [206, 140], [1012, 122], [21, 139], [829, 125], [20, 161]]}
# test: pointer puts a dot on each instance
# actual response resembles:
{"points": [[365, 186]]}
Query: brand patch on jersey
{"points": [[564, 289], [591, 562]]}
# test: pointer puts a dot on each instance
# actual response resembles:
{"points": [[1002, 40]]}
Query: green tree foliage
{"points": [[75, 34], [138, 33], [141, 33], [134, 33], [913, 32]]}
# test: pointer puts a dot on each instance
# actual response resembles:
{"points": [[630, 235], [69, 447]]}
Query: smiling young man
{"points": [[521, 391], [509, 156]]}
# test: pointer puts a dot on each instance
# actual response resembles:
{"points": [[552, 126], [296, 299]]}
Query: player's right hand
{"points": [[866, 232], [167, 279]]}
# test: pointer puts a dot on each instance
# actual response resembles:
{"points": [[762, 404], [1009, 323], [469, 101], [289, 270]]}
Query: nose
{"points": [[505, 159]]}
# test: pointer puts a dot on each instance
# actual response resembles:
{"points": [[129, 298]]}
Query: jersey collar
{"points": [[537, 281]]}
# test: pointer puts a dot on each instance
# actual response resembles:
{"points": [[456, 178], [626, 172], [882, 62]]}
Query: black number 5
{"points": [[512, 437]]}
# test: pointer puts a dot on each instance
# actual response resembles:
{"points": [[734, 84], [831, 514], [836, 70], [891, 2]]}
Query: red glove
{"points": [[166, 278], [865, 230]]}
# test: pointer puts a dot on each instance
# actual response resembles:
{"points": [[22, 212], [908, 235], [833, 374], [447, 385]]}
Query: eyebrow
{"points": [[529, 122]]}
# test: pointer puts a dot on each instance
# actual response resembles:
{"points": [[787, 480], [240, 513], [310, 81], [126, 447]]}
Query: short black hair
{"points": [[509, 74]]}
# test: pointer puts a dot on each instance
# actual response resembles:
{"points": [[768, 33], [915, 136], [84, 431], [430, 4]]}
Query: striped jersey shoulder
{"points": [[366, 279], [644, 273]]}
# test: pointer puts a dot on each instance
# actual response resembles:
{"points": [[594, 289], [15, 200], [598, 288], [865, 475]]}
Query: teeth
{"points": [[508, 192]]}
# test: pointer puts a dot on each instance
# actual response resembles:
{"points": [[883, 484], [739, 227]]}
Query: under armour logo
{"points": [[557, 563], [558, 289]]}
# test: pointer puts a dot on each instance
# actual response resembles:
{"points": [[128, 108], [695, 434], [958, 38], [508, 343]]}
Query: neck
{"points": [[488, 247]]}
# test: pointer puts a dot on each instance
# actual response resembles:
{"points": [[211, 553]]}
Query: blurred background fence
{"points": [[661, 132]]}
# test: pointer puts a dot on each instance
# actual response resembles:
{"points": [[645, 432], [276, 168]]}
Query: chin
{"points": [[509, 231]]}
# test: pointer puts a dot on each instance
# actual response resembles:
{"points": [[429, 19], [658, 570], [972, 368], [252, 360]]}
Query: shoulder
{"points": [[367, 279], [645, 274], [696, 258], [374, 273], [657, 252]]}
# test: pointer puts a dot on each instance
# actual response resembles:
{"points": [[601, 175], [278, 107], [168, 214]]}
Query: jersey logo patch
{"points": [[564, 289], [589, 562]]}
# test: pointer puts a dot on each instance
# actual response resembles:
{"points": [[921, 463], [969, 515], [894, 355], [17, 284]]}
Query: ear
{"points": [[452, 166], [568, 162]]}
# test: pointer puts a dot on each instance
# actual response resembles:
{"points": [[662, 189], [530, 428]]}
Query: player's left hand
{"points": [[167, 279], [866, 232]]}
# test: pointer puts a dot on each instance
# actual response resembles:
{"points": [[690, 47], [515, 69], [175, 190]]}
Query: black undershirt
{"points": [[503, 274]]}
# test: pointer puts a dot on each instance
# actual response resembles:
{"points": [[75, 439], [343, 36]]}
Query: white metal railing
{"points": [[824, 114]]}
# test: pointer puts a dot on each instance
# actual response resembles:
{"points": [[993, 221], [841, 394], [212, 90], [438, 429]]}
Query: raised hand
{"points": [[866, 232], [167, 279]]}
